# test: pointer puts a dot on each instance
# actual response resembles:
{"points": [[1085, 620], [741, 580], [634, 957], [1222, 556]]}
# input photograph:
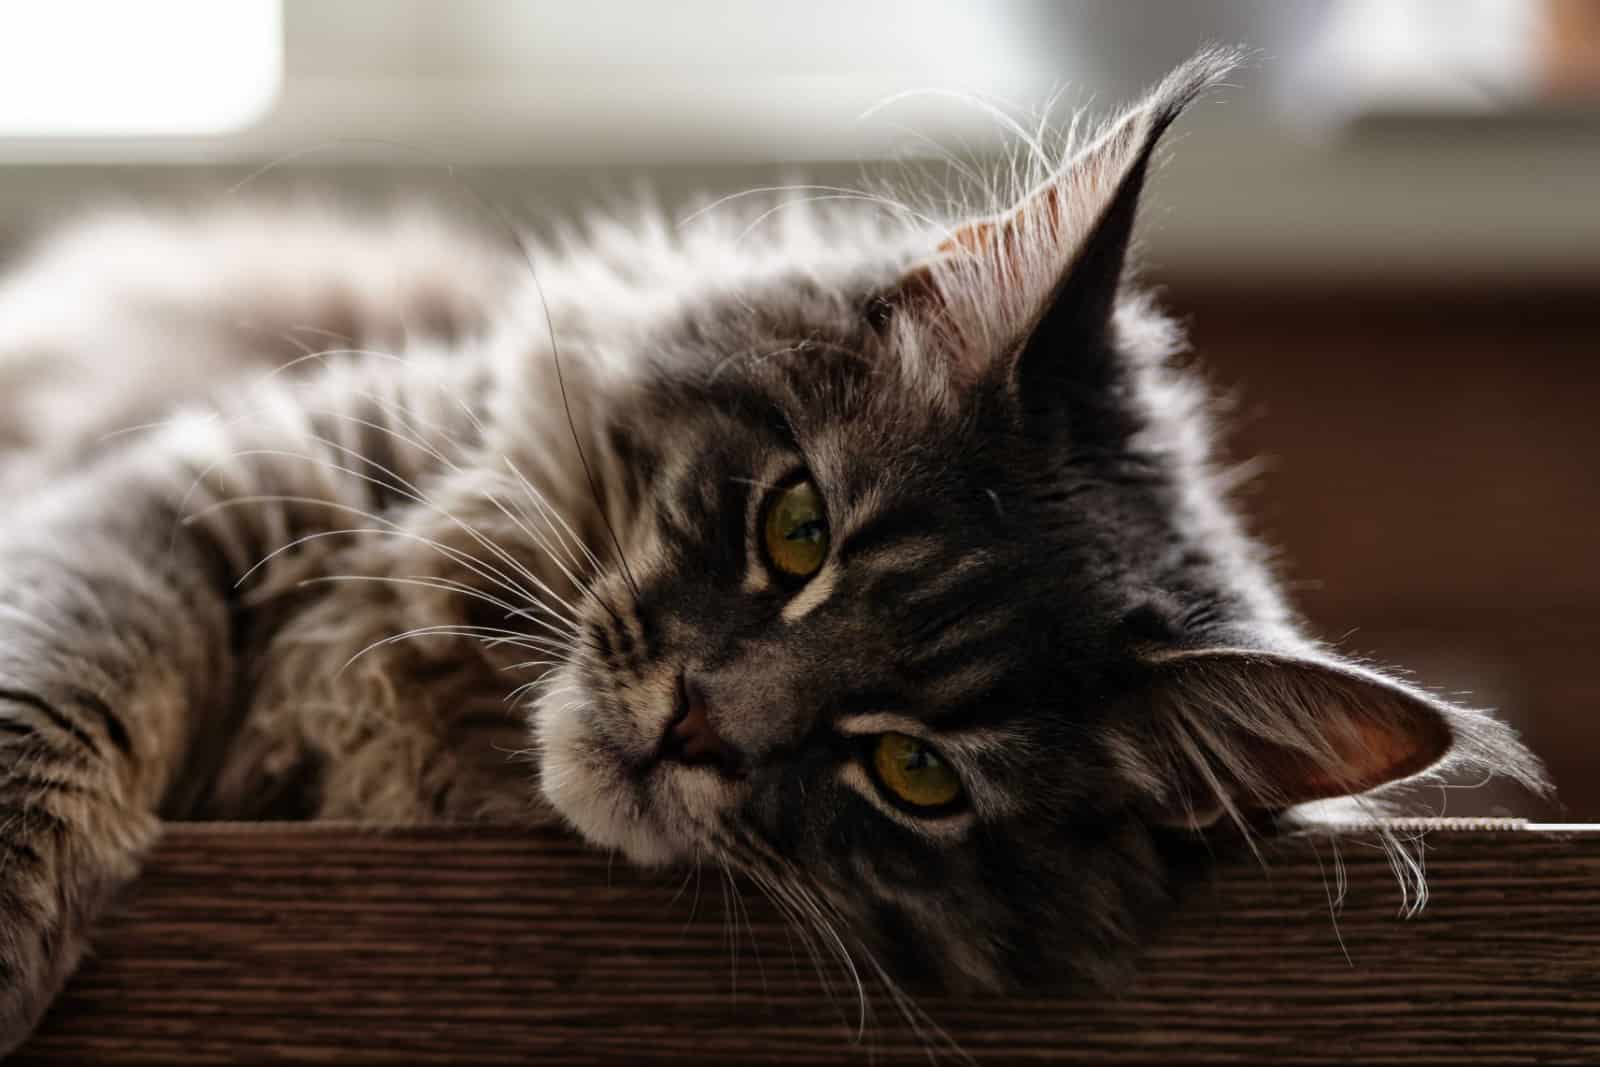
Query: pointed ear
{"points": [[1029, 290], [1234, 731]]}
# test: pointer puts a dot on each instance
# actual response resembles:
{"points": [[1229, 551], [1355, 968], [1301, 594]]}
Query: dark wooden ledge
{"points": [[352, 945]]}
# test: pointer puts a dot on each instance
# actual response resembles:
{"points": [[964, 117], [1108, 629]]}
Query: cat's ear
{"points": [[1238, 732], [1032, 290]]}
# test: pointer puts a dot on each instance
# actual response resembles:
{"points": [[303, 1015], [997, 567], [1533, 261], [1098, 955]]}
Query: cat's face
{"points": [[869, 642], [927, 614]]}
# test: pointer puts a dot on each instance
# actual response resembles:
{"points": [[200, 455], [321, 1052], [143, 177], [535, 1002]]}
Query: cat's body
{"points": [[209, 317], [1024, 574]]}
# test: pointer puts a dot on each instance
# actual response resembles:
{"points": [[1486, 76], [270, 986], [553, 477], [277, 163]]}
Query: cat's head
{"points": [[931, 615]]}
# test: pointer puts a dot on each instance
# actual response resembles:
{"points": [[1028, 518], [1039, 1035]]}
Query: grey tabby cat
{"points": [[880, 562]]}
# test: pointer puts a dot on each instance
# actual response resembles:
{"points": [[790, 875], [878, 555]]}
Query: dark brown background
{"points": [[1429, 472]]}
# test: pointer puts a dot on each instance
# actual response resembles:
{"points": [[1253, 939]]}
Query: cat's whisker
{"points": [[557, 523], [421, 446], [917, 1018], [566, 401], [812, 908], [347, 417], [553, 544], [520, 522], [822, 917], [537, 683], [553, 666], [583, 587], [551, 553], [449, 586], [970, 173], [895, 206], [319, 331], [730, 933], [687, 877], [411, 492], [390, 406], [386, 528], [1335, 895], [415, 425], [327, 355], [569, 629], [404, 415], [819, 199], [796, 922], [817, 913], [550, 665], [486, 634], [420, 497], [742, 909], [552, 516], [1041, 159]]}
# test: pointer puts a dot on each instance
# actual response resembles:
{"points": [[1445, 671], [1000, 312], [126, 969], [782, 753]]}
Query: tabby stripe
{"points": [[881, 531], [66, 725], [32, 815], [112, 723], [982, 646], [678, 537], [638, 464], [36, 785], [20, 850], [977, 716]]}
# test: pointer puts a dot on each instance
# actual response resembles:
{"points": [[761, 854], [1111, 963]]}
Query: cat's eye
{"points": [[794, 530], [914, 772]]}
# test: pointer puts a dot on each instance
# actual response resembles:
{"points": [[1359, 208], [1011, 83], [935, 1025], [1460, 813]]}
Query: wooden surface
{"points": [[323, 944]]}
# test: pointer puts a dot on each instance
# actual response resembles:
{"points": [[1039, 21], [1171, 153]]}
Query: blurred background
{"points": [[1384, 236]]}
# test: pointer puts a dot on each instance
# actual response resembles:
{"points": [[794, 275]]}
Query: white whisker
{"points": [[449, 586], [487, 634]]}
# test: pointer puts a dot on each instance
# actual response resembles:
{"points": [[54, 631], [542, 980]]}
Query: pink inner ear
{"points": [[1369, 753], [1001, 238], [971, 237], [984, 252], [1281, 730]]}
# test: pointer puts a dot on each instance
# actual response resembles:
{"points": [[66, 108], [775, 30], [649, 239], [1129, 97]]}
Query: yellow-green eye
{"points": [[914, 772], [795, 531]]}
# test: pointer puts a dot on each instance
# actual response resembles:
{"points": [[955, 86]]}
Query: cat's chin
{"points": [[590, 784]]}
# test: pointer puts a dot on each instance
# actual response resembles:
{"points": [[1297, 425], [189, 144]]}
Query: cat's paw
{"points": [[39, 942], [63, 854]]}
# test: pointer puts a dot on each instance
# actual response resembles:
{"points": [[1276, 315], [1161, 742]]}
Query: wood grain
{"points": [[328, 943]]}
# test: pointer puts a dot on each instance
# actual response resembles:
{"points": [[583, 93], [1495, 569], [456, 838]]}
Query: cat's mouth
{"points": [[638, 782]]}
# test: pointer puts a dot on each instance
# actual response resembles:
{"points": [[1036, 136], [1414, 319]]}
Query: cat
{"points": [[878, 557]]}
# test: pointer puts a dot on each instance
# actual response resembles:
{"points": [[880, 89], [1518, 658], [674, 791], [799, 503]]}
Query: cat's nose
{"points": [[692, 738]]}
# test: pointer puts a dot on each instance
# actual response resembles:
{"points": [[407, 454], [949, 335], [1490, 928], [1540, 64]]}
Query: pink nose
{"points": [[691, 738]]}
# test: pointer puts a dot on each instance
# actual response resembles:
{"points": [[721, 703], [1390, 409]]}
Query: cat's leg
{"points": [[113, 637], [120, 638]]}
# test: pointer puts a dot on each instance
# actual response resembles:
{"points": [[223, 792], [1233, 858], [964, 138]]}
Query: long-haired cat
{"points": [[879, 561]]}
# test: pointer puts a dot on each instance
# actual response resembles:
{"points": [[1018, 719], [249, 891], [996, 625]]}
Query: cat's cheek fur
{"points": [[588, 783]]}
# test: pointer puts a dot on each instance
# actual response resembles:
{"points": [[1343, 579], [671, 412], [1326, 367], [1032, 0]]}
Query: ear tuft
{"points": [[1042, 276]]}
